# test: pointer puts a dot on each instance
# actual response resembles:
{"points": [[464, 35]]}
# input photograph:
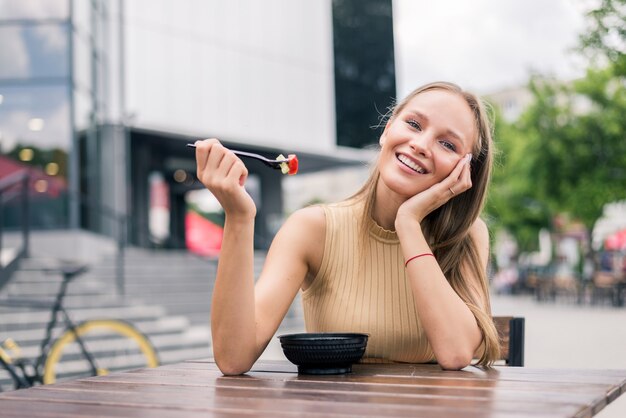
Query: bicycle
{"points": [[80, 350]]}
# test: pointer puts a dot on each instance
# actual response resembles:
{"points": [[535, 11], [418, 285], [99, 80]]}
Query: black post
{"points": [[25, 216], [1, 226], [121, 245], [516, 342]]}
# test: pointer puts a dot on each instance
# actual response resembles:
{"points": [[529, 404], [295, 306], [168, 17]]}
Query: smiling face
{"points": [[424, 141]]}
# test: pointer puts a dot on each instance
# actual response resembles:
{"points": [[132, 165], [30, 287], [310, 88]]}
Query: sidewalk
{"points": [[567, 335]]}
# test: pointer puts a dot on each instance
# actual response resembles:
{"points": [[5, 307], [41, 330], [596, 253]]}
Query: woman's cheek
{"points": [[447, 164]]}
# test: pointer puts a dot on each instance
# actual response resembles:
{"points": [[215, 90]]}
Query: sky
{"points": [[485, 45]]}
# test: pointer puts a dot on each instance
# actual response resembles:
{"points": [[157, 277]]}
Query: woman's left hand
{"points": [[419, 206]]}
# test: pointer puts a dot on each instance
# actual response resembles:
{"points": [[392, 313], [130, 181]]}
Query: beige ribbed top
{"points": [[365, 291]]}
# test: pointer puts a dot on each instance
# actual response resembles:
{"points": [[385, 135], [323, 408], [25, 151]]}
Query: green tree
{"points": [[567, 152], [512, 202], [606, 34]]}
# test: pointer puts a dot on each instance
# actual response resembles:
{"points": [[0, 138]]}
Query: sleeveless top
{"points": [[362, 287]]}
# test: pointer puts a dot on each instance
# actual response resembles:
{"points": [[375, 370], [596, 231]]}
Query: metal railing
{"points": [[16, 186], [120, 235], [13, 187]]}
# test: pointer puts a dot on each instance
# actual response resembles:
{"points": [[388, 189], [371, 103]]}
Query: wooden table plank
{"points": [[428, 378], [429, 386], [189, 389], [300, 402], [12, 408], [378, 394]]}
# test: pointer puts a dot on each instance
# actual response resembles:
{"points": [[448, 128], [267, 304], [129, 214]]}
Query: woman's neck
{"points": [[386, 204]]}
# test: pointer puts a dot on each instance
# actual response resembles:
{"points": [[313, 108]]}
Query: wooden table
{"points": [[198, 389]]}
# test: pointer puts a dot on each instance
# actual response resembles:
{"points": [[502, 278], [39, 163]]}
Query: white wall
{"points": [[247, 70]]}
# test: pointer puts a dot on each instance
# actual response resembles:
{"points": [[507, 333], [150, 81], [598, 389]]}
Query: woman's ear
{"points": [[383, 136]]}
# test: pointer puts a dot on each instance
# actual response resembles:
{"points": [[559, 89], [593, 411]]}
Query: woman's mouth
{"points": [[410, 164]]}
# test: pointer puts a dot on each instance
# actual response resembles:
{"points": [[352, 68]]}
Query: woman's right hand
{"points": [[224, 174]]}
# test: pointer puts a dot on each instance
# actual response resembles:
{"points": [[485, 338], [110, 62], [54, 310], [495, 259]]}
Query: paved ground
{"points": [[558, 334]]}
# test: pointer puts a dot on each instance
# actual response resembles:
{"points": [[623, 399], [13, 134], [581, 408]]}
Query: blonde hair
{"points": [[446, 232]]}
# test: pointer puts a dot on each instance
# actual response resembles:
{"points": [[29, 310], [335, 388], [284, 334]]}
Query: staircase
{"points": [[93, 296], [176, 280], [180, 282]]}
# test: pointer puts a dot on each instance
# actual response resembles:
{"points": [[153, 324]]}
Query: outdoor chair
{"points": [[511, 333]]}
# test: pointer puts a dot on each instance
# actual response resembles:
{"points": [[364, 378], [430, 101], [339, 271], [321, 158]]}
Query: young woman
{"points": [[403, 260]]}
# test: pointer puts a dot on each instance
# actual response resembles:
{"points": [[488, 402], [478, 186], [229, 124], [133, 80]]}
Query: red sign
{"points": [[203, 237]]}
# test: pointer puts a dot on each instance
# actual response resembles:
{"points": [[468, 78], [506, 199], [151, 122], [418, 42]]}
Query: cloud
{"points": [[56, 131], [13, 53], [34, 9], [483, 45], [54, 38]]}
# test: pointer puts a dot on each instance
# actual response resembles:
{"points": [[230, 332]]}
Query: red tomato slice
{"points": [[293, 164]]}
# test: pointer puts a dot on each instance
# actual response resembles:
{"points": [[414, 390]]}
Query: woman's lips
{"points": [[411, 164]]}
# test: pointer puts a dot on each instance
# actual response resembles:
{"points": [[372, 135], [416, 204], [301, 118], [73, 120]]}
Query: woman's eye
{"points": [[414, 124], [448, 145]]}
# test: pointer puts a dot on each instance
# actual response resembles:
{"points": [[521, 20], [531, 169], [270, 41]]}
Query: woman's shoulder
{"points": [[313, 217], [304, 233], [479, 230], [480, 235]]}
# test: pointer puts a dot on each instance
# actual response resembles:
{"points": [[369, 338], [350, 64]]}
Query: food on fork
{"points": [[290, 166]]}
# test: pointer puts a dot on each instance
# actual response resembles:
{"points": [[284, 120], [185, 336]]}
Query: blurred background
{"points": [[98, 99]]}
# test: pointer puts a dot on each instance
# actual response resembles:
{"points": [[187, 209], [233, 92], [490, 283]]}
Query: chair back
{"points": [[511, 333]]}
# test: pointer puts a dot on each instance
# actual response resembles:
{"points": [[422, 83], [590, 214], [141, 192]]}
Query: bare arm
{"points": [[450, 326], [243, 316]]}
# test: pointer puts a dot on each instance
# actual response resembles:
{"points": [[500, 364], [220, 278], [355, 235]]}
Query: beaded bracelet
{"points": [[417, 256]]}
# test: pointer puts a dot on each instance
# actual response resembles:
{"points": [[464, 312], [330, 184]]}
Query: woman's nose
{"points": [[422, 144]]}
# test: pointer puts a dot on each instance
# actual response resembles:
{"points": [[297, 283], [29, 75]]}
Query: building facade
{"points": [[98, 99]]}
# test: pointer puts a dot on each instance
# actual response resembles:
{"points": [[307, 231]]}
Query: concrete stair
{"points": [[91, 296], [180, 282]]}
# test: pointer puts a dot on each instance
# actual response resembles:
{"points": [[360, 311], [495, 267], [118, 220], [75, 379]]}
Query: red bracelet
{"points": [[417, 256]]}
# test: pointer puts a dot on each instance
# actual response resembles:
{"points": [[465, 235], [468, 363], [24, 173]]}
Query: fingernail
{"points": [[468, 157]]}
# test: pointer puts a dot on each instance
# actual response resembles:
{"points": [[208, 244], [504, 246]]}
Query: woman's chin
{"points": [[402, 189]]}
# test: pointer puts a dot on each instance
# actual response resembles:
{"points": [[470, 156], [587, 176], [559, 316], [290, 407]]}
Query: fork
{"points": [[277, 163]]}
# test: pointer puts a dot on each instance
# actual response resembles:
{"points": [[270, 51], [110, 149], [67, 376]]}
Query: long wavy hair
{"points": [[446, 229]]}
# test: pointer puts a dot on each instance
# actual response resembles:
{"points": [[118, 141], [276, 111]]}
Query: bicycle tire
{"points": [[125, 348]]}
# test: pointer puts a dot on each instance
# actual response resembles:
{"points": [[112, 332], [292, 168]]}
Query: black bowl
{"points": [[324, 353]]}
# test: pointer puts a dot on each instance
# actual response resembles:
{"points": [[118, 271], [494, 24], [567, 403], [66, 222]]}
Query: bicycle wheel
{"points": [[114, 345]]}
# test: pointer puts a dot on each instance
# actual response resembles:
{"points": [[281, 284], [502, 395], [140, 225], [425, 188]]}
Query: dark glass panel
{"points": [[365, 83]]}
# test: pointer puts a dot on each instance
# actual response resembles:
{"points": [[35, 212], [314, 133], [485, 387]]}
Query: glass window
{"points": [[35, 115], [35, 136], [34, 51], [35, 9]]}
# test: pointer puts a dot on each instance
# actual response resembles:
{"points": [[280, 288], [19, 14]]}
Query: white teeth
{"points": [[410, 163]]}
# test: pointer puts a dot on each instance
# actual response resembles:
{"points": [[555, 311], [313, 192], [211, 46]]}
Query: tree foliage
{"points": [[567, 152], [606, 37]]}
